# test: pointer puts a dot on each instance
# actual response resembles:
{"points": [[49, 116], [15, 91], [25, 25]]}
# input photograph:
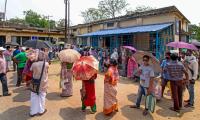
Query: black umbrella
{"points": [[196, 43], [37, 44], [12, 44]]}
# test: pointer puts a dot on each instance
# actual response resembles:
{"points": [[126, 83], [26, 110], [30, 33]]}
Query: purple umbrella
{"points": [[130, 48], [182, 45]]}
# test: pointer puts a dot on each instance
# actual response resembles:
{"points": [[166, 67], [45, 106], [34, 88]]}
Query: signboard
{"points": [[2, 15], [34, 38]]}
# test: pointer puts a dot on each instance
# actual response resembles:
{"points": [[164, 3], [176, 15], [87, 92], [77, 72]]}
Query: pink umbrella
{"points": [[182, 45], [130, 48]]}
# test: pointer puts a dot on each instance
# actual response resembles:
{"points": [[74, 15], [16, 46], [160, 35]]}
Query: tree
{"points": [[92, 14], [61, 23], [139, 9], [17, 20], [106, 9], [112, 8], [195, 32], [52, 24], [34, 19]]}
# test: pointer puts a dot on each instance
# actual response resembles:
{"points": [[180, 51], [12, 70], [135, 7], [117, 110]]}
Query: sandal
{"points": [[40, 114], [171, 108], [32, 115], [145, 112], [135, 106]]}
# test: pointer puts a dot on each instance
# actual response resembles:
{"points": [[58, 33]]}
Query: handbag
{"points": [[35, 83], [150, 103]]}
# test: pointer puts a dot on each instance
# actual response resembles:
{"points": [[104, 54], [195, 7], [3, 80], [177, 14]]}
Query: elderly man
{"points": [[192, 69], [176, 70], [40, 72], [3, 71]]}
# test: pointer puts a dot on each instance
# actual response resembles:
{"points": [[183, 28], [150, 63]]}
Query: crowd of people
{"points": [[180, 70]]}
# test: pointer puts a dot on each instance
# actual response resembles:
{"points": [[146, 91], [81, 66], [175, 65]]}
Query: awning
{"points": [[136, 29]]}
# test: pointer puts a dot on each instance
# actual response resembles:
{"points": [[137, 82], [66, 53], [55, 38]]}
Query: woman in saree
{"points": [[66, 79], [88, 94], [27, 74], [132, 67], [110, 88]]}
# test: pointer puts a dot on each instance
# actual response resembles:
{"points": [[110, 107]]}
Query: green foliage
{"points": [[112, 8], [34, 20], [61, 23], [17, 20], [106, 9], [195, 32], [92, 14], [139, 9]]}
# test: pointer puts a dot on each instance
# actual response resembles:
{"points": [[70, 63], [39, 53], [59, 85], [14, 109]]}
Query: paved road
{"points": [[16, 107]]}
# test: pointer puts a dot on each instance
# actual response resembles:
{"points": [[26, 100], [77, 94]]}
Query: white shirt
{"points": [[147, 73]]}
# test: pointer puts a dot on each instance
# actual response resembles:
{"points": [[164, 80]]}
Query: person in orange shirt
{"points": [[110, 88]]}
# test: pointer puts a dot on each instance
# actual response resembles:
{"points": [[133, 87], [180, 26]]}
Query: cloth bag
{"points": [[35, 83]]}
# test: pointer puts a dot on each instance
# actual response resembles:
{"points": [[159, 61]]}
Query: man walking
{"points": [[20, 59], [165, 75], [3, 71], [146, 82], [176, 71], [192, 69], [15, 52], [40, 72]]}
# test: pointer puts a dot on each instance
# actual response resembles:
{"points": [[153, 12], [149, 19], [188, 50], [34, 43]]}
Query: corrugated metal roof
{"points": [[136, 29]]}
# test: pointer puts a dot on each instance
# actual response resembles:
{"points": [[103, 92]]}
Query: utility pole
{"points": [[49, 26], [68, 38], [67, 20], [5, 10]]}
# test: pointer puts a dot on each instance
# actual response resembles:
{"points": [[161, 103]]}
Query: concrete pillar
{"points": [[8, 38], [88, 41], [20, 40]]}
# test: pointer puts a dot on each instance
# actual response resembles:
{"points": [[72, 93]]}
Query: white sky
{"points": [[55, 8]]}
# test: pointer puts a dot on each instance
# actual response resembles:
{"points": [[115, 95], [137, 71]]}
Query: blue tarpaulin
{"points": [[136, 29]]}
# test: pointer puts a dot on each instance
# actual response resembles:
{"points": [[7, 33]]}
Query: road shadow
{"points": [[164, 110], [135, 114], [72, 114], [54, 96], [132, 97], [124, 80], [23, 95], [16, 113], [12, 78], [101, 116], [19, 89]]}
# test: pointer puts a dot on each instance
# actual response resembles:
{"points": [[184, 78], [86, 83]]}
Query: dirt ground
{"points": [[16, 107]]}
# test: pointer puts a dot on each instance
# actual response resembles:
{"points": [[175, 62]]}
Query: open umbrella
{"points": [[154, 62], [69, 55], [12, 44], [85, 68], [130, 48], [196, 43], [182, 45], [37, 44]]}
